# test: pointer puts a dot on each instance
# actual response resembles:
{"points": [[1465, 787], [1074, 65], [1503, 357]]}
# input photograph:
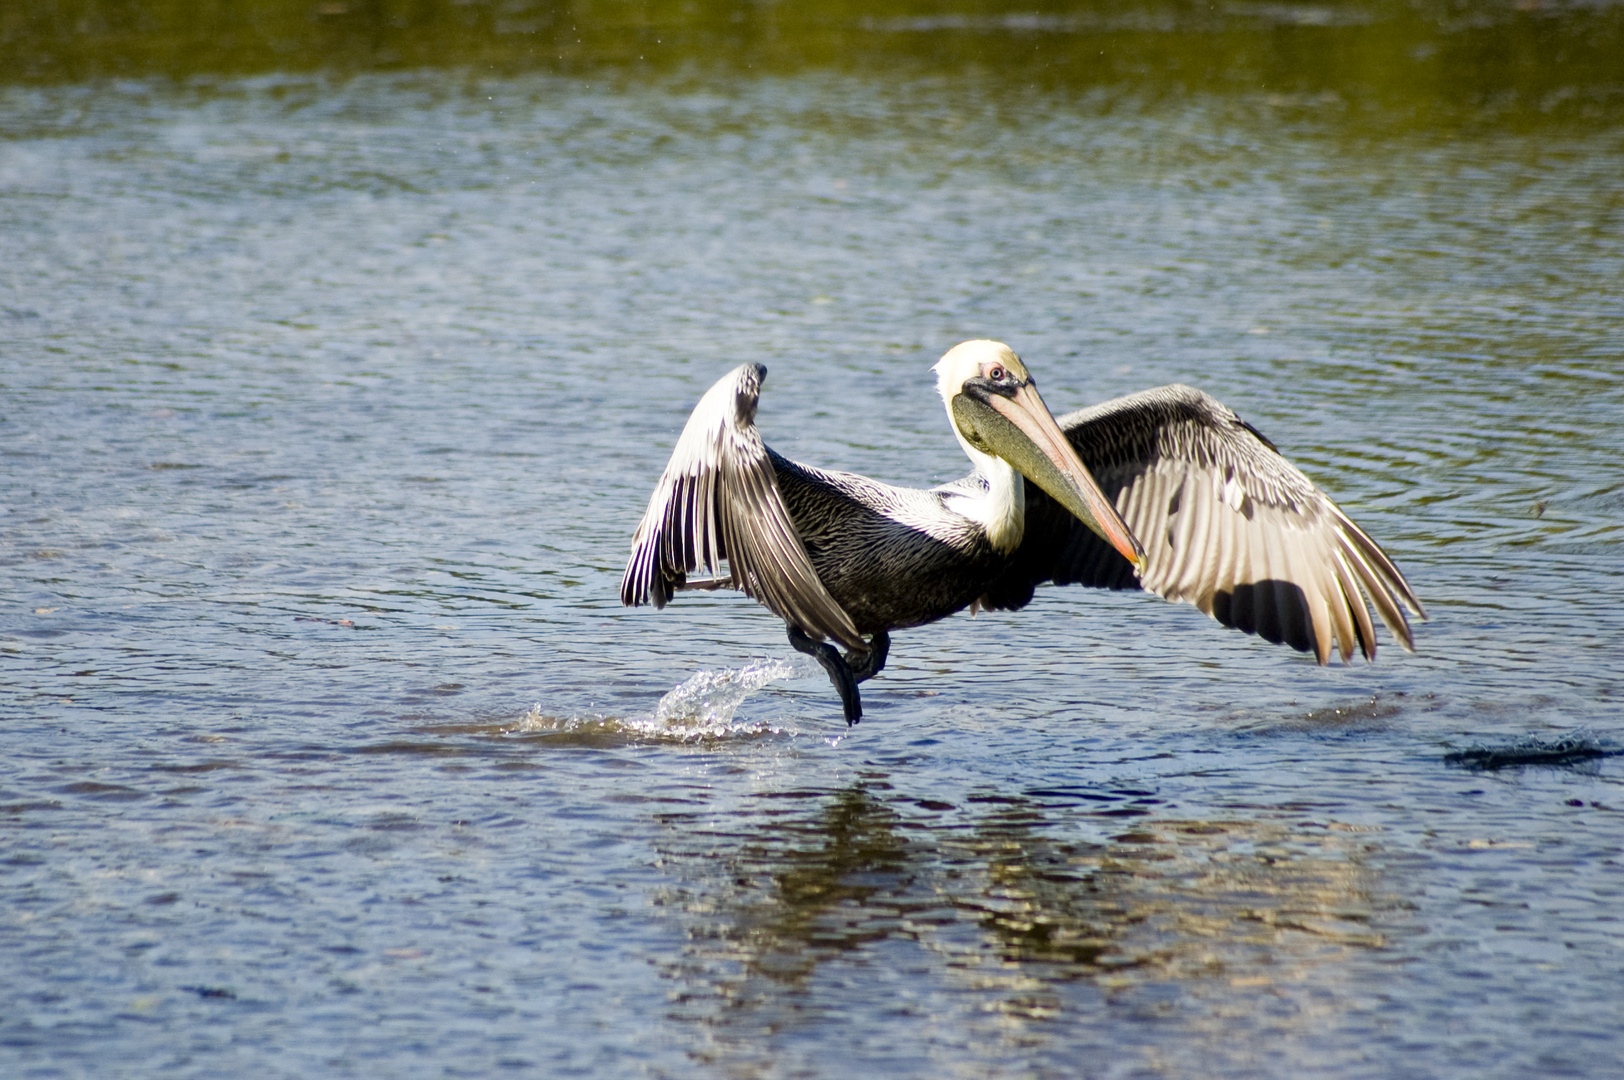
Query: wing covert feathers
{"points": [[1230, 526], [717, 500]]}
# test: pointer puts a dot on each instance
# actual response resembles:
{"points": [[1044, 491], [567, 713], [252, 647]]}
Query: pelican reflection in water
{"points": [[1165, 490]]}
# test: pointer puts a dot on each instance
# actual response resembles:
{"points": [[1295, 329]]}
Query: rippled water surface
{"points": [[329, 407]]}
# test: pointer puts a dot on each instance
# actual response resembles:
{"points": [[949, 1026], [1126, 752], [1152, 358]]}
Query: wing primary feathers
{"points": [[717, 500], [1380, 596], [1228, 525], [1292, 594], [1319, 619], [1356, 606], [1266, 602]]}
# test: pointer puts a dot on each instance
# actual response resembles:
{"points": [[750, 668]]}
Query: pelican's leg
{"points": [[867, 665], [840, 672]]}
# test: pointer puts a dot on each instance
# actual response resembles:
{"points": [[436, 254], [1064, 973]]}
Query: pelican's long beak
{"points": [[1020, 429]]}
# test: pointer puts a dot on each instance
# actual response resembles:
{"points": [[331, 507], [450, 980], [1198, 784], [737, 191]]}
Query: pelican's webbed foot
{"points": [[864, 666], [840, 672]]}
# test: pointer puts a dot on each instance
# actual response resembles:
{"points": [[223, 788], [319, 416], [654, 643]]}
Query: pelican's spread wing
{"points": [[719, 499], [1227, 525]]}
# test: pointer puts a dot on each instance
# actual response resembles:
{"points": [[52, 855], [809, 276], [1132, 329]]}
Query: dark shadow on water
{"points": [[1569, 750]]}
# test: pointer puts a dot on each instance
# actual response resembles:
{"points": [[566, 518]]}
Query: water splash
{"points": [[702, 706], [705, 703]]}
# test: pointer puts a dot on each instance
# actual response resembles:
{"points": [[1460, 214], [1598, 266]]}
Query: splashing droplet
{"points": [[705, 703], [703, 706]]}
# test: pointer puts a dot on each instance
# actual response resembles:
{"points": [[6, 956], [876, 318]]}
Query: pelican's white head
{"points": [[1008, 432], [980, 359], [1001, 511], [969, 359]]}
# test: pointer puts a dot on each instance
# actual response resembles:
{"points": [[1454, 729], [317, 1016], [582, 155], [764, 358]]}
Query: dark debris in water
{"points": [[1568, 750]]}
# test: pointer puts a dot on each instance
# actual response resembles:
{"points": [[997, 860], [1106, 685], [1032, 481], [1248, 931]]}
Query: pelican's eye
{"points": [[996, 373]]}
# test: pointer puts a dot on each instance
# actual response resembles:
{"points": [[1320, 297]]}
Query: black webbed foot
{"points": [[864, 666], [840, 672]]}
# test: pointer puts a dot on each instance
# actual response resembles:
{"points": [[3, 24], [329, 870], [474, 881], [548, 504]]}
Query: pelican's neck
{"points": [[1001, 509]]}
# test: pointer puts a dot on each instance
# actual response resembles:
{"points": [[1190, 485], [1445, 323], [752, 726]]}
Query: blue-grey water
{"points": [[329, 406]]}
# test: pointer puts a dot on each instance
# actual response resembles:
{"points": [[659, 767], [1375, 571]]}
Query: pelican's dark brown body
{"points": [[874, 548]]}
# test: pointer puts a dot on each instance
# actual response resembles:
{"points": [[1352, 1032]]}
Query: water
{"points": [[329, 407]]}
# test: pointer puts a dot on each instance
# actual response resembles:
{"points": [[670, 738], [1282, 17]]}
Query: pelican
{"points": [[1166, 490]]}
